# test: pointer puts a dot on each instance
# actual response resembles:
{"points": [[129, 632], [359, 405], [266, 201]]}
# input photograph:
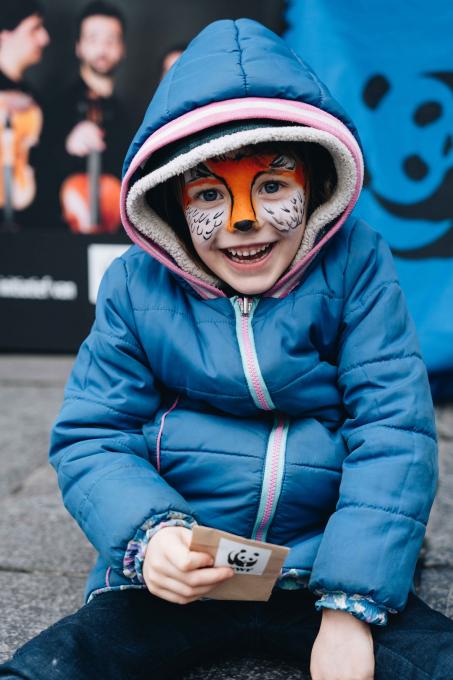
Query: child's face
{"points": [[246, 216]]}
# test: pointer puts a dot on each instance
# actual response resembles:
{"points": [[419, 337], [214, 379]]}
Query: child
{"points": [[252, 367]]}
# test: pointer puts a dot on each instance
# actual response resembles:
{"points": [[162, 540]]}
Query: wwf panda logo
{"points": [[420, 164], [243, 560]]}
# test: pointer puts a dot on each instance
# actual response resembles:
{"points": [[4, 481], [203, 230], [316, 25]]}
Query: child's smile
{"points": [[246, 216], [249, 255]]}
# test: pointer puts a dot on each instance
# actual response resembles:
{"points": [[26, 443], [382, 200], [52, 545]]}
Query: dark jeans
{"points": [[131, 635]]}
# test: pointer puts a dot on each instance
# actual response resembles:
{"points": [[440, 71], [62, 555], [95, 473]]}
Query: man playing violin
{"points": [[91, 120]]}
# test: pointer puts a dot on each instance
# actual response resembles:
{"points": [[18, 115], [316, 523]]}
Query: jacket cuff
{"points": [[136, 548], [360, 606]]}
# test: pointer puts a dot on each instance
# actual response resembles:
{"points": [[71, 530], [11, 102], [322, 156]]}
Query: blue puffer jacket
{"points": [[302, 417]]}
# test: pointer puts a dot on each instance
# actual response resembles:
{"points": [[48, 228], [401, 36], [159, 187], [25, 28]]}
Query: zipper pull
{"points": [[245, 305]]}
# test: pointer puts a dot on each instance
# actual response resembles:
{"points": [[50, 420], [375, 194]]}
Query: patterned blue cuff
{"points": [[292, 579], [360, 606], [135, 551]]}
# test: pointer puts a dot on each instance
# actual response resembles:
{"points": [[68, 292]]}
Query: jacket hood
{"points": [[237, 83]]}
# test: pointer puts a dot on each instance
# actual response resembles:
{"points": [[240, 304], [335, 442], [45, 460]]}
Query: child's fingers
{"points": [[208, 577], [182, 590], [170, 596], [186, 560], [196, 577]]}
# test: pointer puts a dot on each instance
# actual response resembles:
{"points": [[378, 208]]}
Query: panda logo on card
{"points": [[243, 558]]}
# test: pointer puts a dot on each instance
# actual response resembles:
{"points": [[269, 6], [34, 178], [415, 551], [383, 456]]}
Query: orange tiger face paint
{"points": [[242, 204], [246, 215]]}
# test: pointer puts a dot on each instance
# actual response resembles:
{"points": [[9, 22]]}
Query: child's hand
{"points": [[174, 572], [343, 649]]}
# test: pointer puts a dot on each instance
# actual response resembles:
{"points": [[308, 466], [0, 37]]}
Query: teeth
{"points": [[246, 252]]}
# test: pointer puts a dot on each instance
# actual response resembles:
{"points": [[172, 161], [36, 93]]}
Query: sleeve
{"points": [[136, 548], [97, 445], [363, 608], [372, 540]]}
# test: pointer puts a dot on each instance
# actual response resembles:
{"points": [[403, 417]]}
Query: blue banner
{"points": [[391, 66]]}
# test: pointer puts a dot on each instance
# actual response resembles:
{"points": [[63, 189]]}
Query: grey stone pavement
{"points": [[44, 557]]}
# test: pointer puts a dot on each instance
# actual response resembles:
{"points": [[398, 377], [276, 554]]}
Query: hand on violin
{"points": [[343, 649], [85, 137], [174, 572], [14, 101]]}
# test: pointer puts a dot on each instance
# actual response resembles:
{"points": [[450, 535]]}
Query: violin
{"points": [[91, 201], [20, 129]]}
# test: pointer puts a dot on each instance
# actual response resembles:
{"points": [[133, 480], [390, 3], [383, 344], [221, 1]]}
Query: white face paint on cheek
{"points": [[203, 217], [285, 214], [203, 223]]}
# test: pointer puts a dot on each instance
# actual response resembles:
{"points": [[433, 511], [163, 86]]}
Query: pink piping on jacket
{"points": [[240, 109], [251, 365], [273, 479], [161, 429], [107, 577]]}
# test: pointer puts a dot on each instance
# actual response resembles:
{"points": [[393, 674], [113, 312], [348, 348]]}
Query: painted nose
{"points": [[243, 225]]}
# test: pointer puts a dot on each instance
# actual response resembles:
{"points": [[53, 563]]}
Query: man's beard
{"points": [[105, 73]]}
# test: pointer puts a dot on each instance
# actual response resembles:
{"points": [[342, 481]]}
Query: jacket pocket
{"points": [[153, 434]]}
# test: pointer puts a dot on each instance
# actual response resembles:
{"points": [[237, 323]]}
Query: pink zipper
{"points": [[244, 308], [273, 479]]}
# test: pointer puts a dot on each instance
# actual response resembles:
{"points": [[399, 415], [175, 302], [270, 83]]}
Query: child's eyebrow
{"points": [[199, 181], [284, 162], [200, 171], [276, 171]]}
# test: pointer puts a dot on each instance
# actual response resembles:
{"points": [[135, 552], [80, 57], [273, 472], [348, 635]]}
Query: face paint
{"points": [[246, 215], [203, 216], [284, 212], [231, 182]]}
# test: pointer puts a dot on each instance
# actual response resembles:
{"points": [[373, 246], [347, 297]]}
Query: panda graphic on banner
{"points": [[422, 165], [390, 65]]}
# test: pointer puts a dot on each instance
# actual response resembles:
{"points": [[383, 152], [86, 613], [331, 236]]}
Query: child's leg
{"points": [[416, 644], [132, 634]]}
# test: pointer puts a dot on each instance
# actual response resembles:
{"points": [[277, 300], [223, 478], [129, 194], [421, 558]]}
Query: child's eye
{"points": [[209, 195], [271, 187]]}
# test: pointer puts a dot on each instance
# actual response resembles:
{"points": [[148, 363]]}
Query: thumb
{"points": [[196, 559]]}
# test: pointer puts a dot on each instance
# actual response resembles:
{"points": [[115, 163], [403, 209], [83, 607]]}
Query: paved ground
{"points": [[43, 555]]}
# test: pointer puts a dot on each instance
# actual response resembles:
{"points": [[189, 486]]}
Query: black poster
{"points": [[75, 80]]}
